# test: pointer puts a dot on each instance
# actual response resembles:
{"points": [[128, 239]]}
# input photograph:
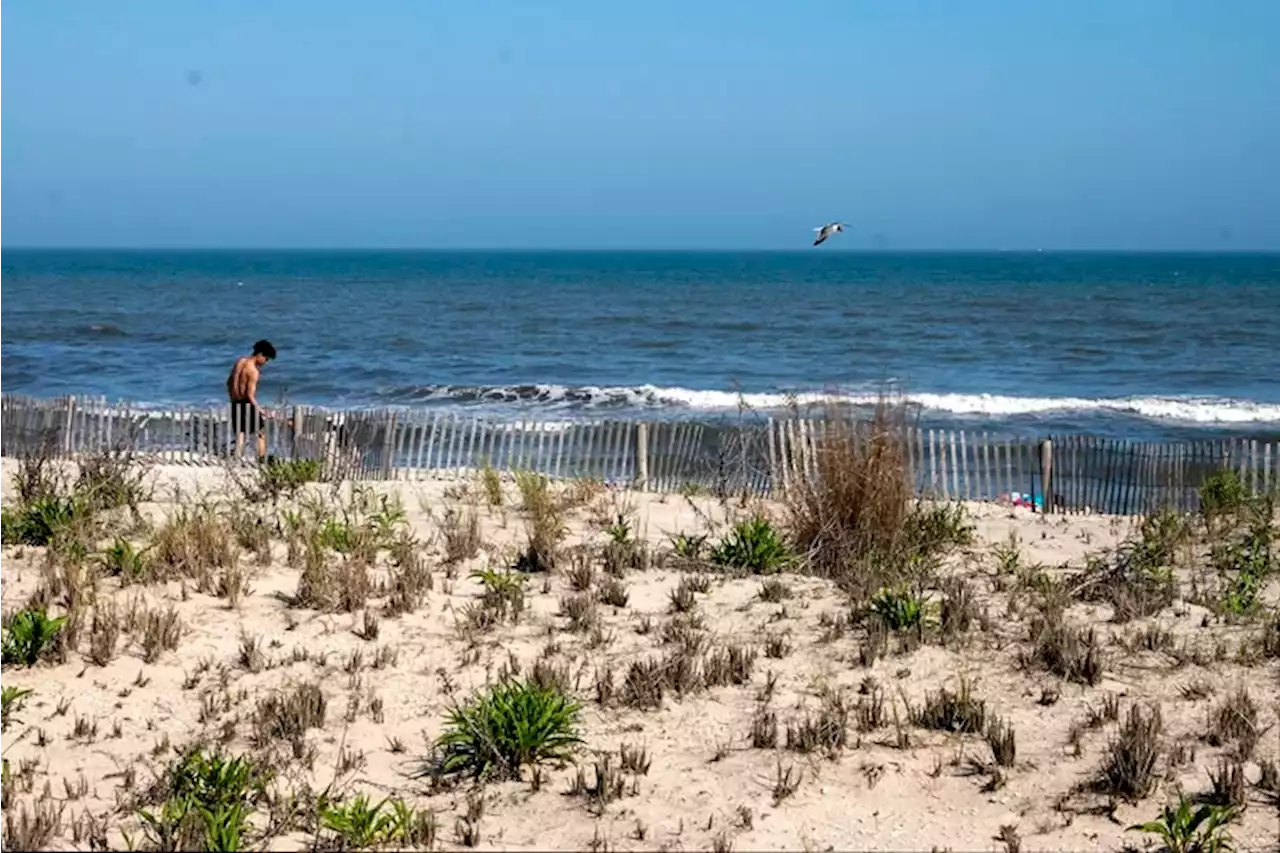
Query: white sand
{"points": [[874, 796]]}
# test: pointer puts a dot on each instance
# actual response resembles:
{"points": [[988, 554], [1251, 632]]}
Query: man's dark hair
{"points": [[264, 348]]}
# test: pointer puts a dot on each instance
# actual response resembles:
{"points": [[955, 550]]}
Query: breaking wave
{"points": [[1190, 410]]}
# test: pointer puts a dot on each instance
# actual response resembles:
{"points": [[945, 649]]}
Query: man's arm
{"points": [[253, 396]]}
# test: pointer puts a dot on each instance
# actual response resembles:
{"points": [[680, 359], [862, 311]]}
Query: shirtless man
{"points": [[242, 391]]}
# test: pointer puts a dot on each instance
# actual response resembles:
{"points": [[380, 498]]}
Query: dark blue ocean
{"points": [[1135, 346]]}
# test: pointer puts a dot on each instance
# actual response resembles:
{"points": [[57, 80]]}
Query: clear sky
{"points": [[1149, 124]]}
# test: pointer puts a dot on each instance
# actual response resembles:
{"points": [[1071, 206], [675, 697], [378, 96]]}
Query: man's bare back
{"points": [[242, 384]]}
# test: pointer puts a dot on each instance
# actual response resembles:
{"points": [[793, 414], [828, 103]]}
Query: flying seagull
{"points": [[827, 230]]}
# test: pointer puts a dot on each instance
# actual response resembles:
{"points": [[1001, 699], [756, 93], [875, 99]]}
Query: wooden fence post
{"points": [[68, 438], [294, 427], [388, 446], [642, 455], [1046, 474]]}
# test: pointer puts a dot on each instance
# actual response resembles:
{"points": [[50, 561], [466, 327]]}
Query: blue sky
{"points": [[1149, 124]]}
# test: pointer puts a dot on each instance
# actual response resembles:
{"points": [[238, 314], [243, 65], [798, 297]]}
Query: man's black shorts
{"points": [[244, 417]]}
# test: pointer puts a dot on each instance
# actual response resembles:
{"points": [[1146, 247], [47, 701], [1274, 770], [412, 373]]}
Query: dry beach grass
{"points": [[205, 659]]}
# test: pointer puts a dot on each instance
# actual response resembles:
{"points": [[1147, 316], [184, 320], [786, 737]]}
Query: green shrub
{"points": [[29, 634], [1246, 561], [503, 594], [689, 545], [111, 479], [37, 522], [1222, 494], [899, 608], [492, 484], [358, 825], [207, 802], [619, 532], [125, 561], [754, 545], [1138, 580], [286, 477], [1185, 831], [10, 526], [936, 528], [13, 699], [510, 725]]}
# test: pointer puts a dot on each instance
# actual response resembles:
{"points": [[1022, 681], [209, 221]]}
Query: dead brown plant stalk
{"points": [[858, 503]]}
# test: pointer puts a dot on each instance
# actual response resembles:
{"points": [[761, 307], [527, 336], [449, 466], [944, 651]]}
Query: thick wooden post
{"points": [[1046, 474], [642, 455]]}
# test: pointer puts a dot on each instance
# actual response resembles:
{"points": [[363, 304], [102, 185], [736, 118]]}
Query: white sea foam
{"points": [[546, 403], [1200, 410], [1186, 409]]}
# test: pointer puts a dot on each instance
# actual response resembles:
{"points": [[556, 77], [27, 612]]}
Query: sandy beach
{"points": [[698, 770]]}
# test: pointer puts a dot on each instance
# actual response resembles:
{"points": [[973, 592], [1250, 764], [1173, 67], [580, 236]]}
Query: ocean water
{"points": [[1139, 346]]}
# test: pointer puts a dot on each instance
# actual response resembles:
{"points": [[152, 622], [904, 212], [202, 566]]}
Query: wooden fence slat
{"points": [[457, 427], [626, 462], [489, 444], [399, 436], [612, 437], [474, 442], [980, 466], [541, 451], [1266, 468], [1253, 466], [604, 449], [656, 455], [1123, 475], [608, 450], [600, 452], [1087, 466], [424, 431], [1097, 466], [1116, 480], [954, 466], [1138, 505], [668, 480], [572, 449], [1106, 482], [504, 437], [1125, 485], [1161, 477], [590, 443], [430, 460], [1274, 468], [680, 468], [1080, 466], [1109, 496], [1062, 473], [619, 452]]}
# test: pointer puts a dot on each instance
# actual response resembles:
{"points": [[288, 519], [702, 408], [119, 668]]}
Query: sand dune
{"points": [[98, 734]]}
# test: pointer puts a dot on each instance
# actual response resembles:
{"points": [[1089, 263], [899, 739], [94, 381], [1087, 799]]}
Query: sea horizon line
{"points": [[563, 250]]}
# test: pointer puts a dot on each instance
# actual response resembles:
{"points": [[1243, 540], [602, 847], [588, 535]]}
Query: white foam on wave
{"points": [[1197, 410], [573, 402], [1186, 409]]}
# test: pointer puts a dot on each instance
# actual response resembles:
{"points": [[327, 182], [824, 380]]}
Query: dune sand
{"points": [[97, 734]]}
